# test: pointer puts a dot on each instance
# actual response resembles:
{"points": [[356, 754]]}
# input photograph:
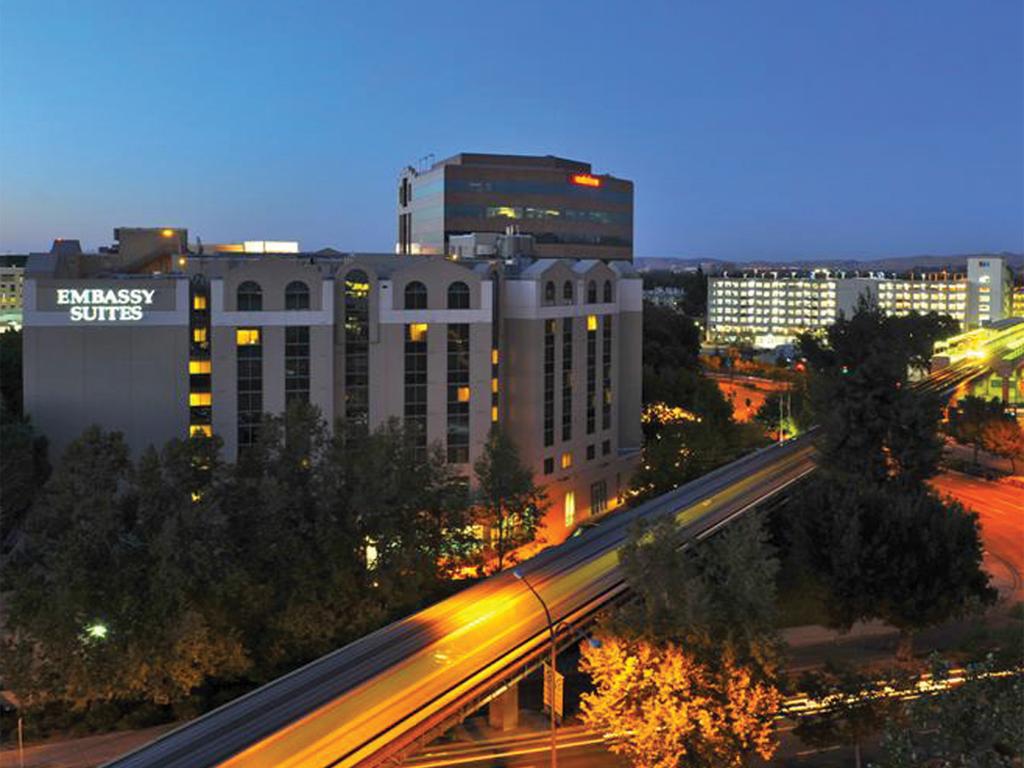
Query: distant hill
{"points": [[895, 264]]}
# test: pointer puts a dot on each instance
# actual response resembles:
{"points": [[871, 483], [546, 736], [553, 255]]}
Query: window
{"points": [[199, 335], [250, 297], [570, 508], [247, 336], [458, 296], [249, 352], [416, 383], [591, 292], [606, 373], [458, 393], [598, 497], [199, 366], [200, 398], [357, 348], [609, 296], [566, 460], [549, 382], [549, 293], [549, 465], [567, 378], [199, 301], [591, 452], [591, 374], [296, 295], [606, 447], [200, 429], [415, 295], [296, 364], [567, 291]]}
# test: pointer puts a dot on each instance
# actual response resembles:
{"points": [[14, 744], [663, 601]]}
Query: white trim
{"points": [[485, 314], [220, 317]]}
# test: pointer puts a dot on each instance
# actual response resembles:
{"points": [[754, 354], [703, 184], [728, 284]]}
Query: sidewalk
{"points": [[84, 752]]}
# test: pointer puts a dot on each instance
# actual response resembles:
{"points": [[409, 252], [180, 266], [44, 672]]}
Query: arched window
{"points": [[549, 292], [415, 295], [296, 295], [357, 348], [591, 292], [458, 296], [609, 297], [567, 291], [250, 297]]}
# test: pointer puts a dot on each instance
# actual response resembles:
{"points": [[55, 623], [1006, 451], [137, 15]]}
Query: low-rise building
{"points": [[767, 309], [12, 271]]}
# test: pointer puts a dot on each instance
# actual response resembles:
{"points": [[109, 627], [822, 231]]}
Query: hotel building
{"points": [[158, 340], [570, 211], [767, 309]]}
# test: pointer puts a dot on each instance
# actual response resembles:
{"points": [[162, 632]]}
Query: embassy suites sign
{"points": [[102, 305]]}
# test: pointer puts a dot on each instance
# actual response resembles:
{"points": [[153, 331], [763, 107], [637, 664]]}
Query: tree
{"points": [[971, 418], [674, 709], [718, 593], [906, 557], [510, 505], [670, 340], [11, 372], [875, 426], [689, 670], [1004, 438], [976, 723], [24, 467], [92, 617]]}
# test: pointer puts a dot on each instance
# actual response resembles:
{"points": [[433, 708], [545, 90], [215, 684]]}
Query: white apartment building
{"points": [[767, 309]]}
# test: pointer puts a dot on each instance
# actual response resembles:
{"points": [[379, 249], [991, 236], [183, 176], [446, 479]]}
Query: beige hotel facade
{"points": [[160, 340]]}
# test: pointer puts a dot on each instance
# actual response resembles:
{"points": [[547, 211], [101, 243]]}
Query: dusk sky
{"points": [[751, 129]]}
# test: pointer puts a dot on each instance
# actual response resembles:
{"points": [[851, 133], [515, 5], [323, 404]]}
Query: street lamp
{"points": [[554, 656]]}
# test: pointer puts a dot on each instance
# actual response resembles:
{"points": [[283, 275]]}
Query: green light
{"points": [[97, 631]]}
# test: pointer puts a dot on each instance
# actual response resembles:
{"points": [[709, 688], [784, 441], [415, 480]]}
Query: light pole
{"points": [[554, 655]]}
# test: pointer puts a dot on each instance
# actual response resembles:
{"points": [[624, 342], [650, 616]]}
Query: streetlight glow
{"points": [[97, 631]]}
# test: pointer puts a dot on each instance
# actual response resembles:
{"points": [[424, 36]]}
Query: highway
{"points": [[378, 697]]}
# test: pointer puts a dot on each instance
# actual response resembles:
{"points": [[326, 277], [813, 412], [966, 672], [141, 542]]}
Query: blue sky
{"points": [[752, 129]]}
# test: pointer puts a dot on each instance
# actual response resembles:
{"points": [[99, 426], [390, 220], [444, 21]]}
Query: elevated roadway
{"points": [[374, 699]]}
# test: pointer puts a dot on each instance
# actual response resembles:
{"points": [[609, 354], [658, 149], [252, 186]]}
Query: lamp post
{"points": [[554, 655]]}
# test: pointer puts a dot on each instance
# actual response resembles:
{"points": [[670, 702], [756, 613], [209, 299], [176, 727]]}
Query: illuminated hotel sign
{"points": [[585, 180], [99, 305]]}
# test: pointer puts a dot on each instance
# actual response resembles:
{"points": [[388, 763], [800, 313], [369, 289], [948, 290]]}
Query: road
{"points": [[1000, 507]]}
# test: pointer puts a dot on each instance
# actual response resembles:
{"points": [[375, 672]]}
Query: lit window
{"points": [[200, 398], [200, 429], [570, 508], [199, 335], [566, 460], [494, 357], [418, 332], [199, 366], [247, 337], [494, 385], [591, 322], [494, 413], [198, 302], [463, 394]]}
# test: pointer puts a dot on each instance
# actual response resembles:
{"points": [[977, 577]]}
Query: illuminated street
{"points": [[1001, 509]]}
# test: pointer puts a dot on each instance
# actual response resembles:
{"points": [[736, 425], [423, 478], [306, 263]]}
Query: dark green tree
{"points": [[905, 557], [671, 340], [714, 595], [875, 426], [24, 468], [510, 506], [11, 400]]}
